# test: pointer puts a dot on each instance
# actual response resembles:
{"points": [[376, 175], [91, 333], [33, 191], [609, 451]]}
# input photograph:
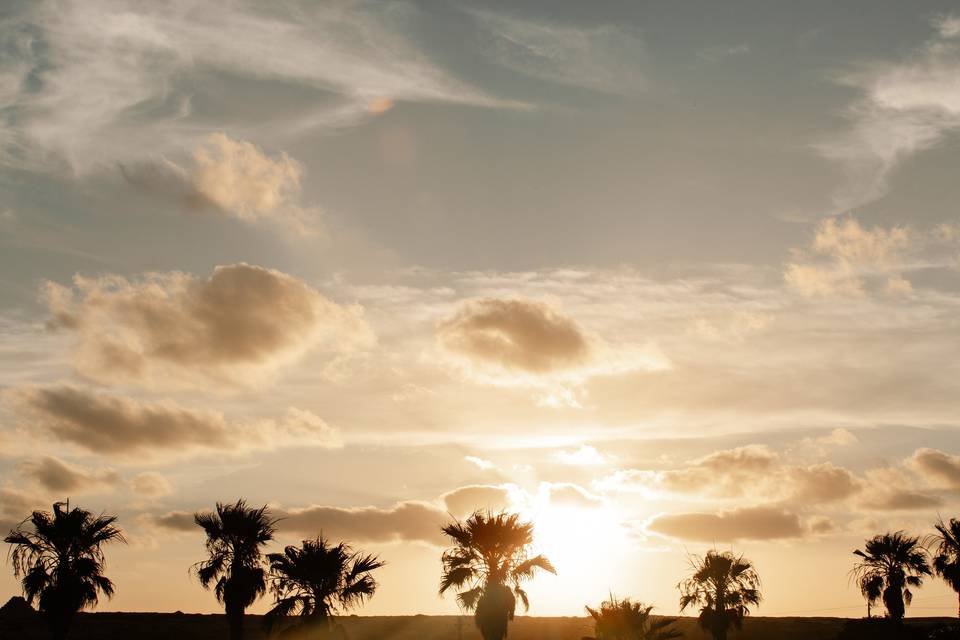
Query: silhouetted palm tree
{"points": [[724, 586], [871, 587], [891, 563], [628, 620], [59, 558], [946, 552], [236, 534], [317, 580], [490, 555]]}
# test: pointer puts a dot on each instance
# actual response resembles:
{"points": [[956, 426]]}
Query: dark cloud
{"points": [[173, 330], [179, 521], [55, 475], [110, 424], [515, 335], [405, 521], [901, 500], [750, 523]]}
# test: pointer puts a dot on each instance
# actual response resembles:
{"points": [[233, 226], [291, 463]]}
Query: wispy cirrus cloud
{"points": [[906, 107], [92, 83], [603, 58]]}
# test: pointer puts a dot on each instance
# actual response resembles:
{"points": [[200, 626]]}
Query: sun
{"points": [[585, 544]]}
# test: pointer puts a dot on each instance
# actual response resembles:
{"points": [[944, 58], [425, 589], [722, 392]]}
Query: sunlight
{"points": [[569, 534]]}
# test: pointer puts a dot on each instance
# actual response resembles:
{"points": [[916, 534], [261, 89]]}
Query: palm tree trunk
{"points": [[235, 622]]}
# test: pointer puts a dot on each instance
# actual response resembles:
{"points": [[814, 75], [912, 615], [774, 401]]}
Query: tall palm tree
{"points": [[946, 552], [59, 558], [489, 560], [236, 535], [628, 620], [891, 563], [317, 580], [725, 586]]}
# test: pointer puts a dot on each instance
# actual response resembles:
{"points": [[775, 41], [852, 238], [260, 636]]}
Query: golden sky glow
{"points": [[658, 279]]}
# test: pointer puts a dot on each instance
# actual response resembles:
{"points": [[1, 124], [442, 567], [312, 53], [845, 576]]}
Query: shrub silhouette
{"points": [[724, 586], [627, 620], [59, 559], [490, 555], [890, 564], [317, 580], [236, 534]]}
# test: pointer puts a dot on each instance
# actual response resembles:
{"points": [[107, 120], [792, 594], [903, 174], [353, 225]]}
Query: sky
{"points": [[660, 276]]}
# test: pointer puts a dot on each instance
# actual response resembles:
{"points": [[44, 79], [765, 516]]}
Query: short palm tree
{"points": [[725, 586], [946, 552], [317, 580], [628, 620], [488, 561], [236, 535], [890, 564], [59, 558]]}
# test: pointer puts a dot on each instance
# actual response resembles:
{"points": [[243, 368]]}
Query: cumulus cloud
{"points": [[937, 467], [58, 476], [522, 342], [515, 335], [174, 330], [233, 177], [753, 471], [463, 501], [150, 485], [844, 257], [750, 523], [110, 424], [405, 521], [905, 108]]}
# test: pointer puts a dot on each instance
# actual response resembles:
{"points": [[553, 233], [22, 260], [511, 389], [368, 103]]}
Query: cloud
{"points": [[522, 342], [905, 108], [480, 463], [94, 82], [565, 494], [174, 330], [15, 506], [463, 501], [937, 467], [58, 476], [515, 335], [586, 455], [110, 424], [751, 523], [235, 178], [603, 58], [844, 256], [150, 485], [405, 521], [901, 500], [176, 521], [753, 471]]}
